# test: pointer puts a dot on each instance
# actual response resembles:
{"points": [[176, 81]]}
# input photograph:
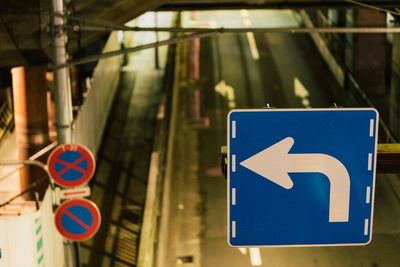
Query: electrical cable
{"points": [[31, 158], [103, 23], [373, 7], [26, 190], [203, 32], [94, 58], [256, 30]]}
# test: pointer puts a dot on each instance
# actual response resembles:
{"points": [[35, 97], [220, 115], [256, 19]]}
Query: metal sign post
{"points": [[63, 99], [62, 85]]}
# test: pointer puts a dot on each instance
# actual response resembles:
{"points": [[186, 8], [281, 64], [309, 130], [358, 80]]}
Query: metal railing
{"points": [[6, 120], [337, 45]]}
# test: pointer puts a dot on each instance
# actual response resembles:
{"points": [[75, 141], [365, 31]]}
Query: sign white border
{"points": [[302, 110]]}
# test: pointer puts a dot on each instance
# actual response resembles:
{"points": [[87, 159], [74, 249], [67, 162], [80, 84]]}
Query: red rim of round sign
{"points": [[94, 211], [86, 153]]}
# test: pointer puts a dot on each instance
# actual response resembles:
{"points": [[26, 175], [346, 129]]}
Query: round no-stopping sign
{"points": [[71, 165], [78, 219]]}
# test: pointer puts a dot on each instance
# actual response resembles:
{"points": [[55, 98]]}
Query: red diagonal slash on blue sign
{"points": [[77, 219], [71, 165]]}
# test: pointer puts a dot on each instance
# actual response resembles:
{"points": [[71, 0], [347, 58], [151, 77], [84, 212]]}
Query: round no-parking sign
{"points": [[78, 219], [71, 165]]}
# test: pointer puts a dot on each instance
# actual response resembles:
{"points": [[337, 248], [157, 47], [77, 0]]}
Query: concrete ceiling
{"points": [[24, 25]]}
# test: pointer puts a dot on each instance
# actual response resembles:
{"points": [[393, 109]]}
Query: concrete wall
{"points": [[395, 87], [370, 64], [324, 50], [31, 240], [89, 125]]}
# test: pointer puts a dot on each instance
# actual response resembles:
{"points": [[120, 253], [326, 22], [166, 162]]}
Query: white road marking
{"points": [[301, 91], [369, 161], [233, 230], [226, 91], [371, 127], [233, 129], [250, 38], [243, 251], [368, 196], [244, 13], [306, 102], [247, 22], [253, 46], [233, 163], [366, 226], [255, 257], [233, 196]]}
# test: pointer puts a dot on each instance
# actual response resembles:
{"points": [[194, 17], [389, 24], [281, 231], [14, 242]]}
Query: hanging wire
{"points": [[31, 158], [105, 25], [94, 58], [373, 7], [97, 22], [90, 24], [25, 162], [254, 30], [204, 32], [30, 188]]}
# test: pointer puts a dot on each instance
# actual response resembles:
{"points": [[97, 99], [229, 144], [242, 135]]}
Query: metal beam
{"points": [[232, 5], [388, 159], [202, 32], [274, 30], [243, 30]]}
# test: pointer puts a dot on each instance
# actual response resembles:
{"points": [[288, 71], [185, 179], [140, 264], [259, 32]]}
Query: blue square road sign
{"points": [[301, 177]]}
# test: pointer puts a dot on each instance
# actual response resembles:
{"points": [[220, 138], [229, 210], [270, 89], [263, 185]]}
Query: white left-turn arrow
{"points": [[275, 163]]}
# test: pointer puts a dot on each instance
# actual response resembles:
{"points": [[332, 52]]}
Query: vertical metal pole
{"points": [[157, 62], [62, 86], [63, 102]]}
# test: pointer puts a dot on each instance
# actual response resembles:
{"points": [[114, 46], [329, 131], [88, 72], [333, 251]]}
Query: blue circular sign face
{"points": [[77, 219], [71, 165]]}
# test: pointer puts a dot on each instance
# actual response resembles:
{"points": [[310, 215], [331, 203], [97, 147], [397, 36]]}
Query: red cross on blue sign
{"points": [[71, 165]]}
